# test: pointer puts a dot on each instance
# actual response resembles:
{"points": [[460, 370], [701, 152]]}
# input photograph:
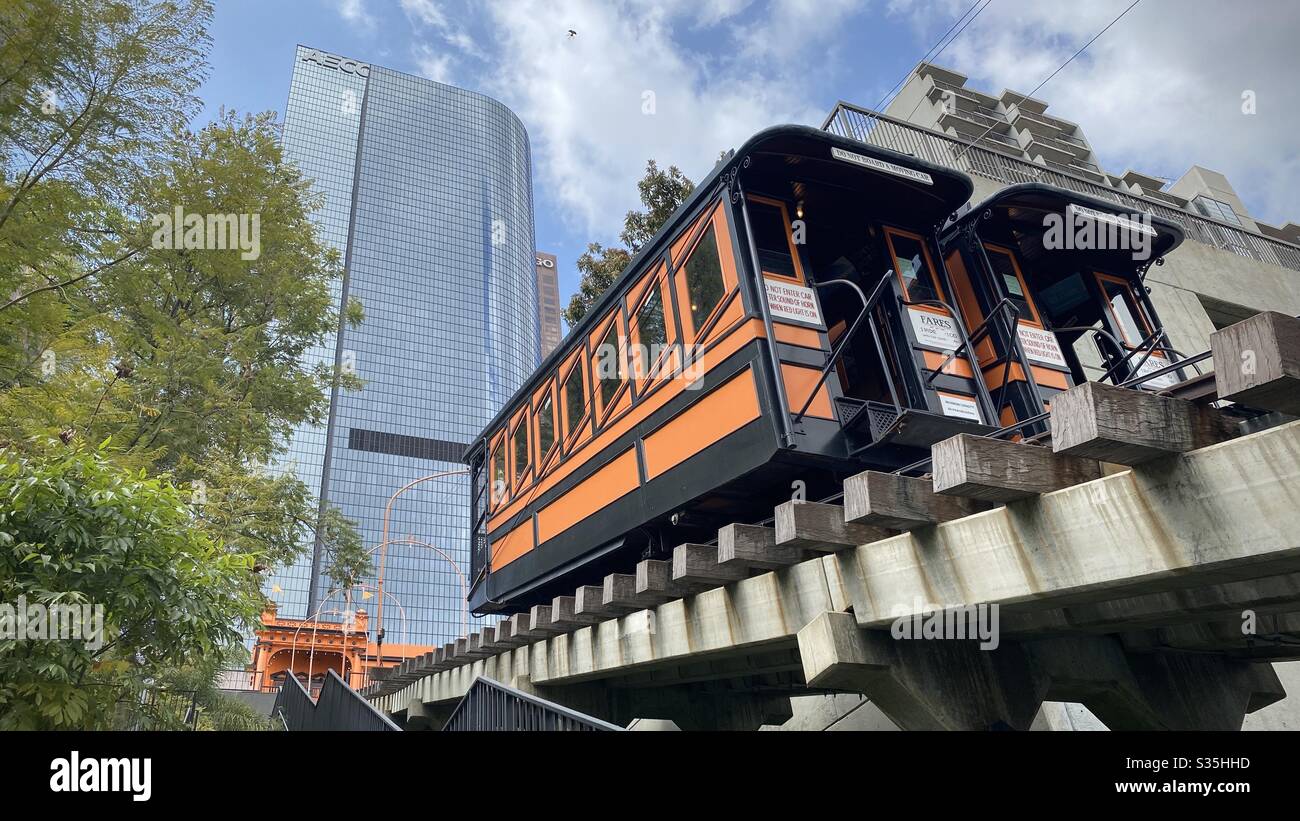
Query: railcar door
{"points": [[1130, 348], [1020, 357], [935, 332]]}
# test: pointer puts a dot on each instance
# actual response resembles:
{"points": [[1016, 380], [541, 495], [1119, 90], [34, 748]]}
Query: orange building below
{"points": [[307, 648]]}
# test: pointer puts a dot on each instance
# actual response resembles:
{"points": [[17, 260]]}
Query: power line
{"points": [[926, 56], [950, 42], [1058, 71]]}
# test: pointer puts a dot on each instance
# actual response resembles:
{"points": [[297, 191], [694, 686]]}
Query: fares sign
{"points": [[934, 330], [1154, 363], [786, 300], [1041, 346]]}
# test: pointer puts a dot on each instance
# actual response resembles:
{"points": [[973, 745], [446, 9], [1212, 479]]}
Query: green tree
{"points": [[90, 91], [77, 529], [661, 192], [186, 363], [191, 361]]}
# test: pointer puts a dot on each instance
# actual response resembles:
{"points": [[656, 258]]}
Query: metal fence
{"points": [[339, 707], [489, 706], [848, 120], [153, 709]]}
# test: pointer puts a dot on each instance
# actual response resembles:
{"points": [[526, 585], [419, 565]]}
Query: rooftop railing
{"points": [[848, 120]]}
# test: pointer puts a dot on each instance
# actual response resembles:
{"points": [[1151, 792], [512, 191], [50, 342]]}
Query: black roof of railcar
{"points": [[929, 203], [1024, 204]]}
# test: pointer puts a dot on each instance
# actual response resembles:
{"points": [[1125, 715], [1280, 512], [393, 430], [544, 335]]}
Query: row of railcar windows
{"points": [[705, 287]]}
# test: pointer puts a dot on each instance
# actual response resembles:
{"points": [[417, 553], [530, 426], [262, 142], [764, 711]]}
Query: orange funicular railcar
{"points": [[796, 321]]}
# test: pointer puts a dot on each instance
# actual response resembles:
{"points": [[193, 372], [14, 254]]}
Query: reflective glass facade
{"points": [[429, 200]]}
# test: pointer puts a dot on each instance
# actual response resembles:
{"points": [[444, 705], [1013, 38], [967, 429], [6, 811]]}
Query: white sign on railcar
{"points": [[788, 301], [960, 406], [882, 165], [934, 330], [1041, 346], [1154, 363]]}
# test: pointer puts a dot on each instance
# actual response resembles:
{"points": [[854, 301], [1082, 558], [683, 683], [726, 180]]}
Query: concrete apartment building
{"points": [[937, 98], [1230, 266]]}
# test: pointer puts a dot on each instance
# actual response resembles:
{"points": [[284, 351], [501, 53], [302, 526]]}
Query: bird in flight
{"points": [[572, 34]]}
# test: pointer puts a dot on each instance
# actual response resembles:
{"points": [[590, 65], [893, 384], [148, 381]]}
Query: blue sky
{"points": [[1159, 92]]}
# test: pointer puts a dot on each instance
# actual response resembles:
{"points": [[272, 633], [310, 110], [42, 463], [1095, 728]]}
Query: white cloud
{"points": [[582, 97], [433, 65], [429, 17], [355, 12], [1161, 90]]}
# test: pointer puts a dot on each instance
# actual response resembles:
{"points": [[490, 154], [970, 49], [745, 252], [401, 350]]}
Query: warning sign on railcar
{"points": [[788, 301]]}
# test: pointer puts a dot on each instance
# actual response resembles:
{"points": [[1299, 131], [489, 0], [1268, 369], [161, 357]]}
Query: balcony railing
{"points": [[983, 100], [981, 120], [871, 127], [1047, 120]]}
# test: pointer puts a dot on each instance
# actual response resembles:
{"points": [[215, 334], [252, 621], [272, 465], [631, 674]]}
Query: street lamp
{"points": [[315, 621], [460, 574], [383, 547]]}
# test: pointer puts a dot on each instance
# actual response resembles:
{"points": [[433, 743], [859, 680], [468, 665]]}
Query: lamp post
{"points": [[315, 621], [383, 547]]}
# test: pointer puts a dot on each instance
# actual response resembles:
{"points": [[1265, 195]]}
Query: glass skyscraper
{"points": [[428, 198]]}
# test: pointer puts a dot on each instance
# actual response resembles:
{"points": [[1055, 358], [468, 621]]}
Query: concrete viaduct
{"points": [[1145, 565]]}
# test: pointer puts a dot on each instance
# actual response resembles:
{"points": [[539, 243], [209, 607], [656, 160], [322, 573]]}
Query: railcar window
{"points": [[771, 238], [651, 330], [608, 370], [545, 427], [704, 278], [914, 268], [499, 473], [1005, 267], [520, 441], [1124, 311], [574, 402]]}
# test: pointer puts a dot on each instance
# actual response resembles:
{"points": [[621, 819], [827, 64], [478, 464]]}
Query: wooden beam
{"points": [[1257, 362], [995, 470], [893, 502], [620, 590], [1128, 426], [589, 600], [747, 546], [655, 578], [698, 564], [821, 528], [564, 615], [539, 621]]}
